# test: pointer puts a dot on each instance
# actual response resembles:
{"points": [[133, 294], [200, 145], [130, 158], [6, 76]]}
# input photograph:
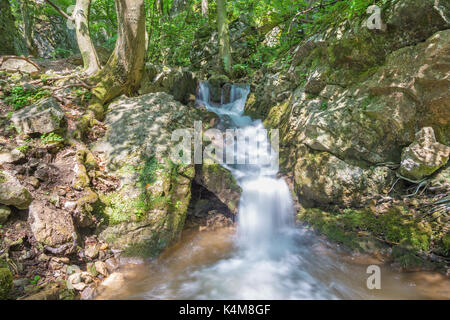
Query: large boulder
{"points": [[182, 84], [43, 117], [52, 227], [12, 193], [321, 179], [424, 156], [149, 209], [18, 65]]}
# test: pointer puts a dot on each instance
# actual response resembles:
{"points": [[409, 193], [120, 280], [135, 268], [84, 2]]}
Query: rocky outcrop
{"points": [[52, 227], [12, 192], [424, 156], [43, 117], [179, 83], [358, 97], [149, 209]]}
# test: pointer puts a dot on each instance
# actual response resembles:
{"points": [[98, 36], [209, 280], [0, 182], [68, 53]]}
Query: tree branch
{"points": [[61, 12]]}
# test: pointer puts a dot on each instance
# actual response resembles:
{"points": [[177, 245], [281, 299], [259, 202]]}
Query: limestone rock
{"points": [[149, 209], [321, 178], [51, 226], [424, 156], [11, 156], [12, 193], [43, 117]]}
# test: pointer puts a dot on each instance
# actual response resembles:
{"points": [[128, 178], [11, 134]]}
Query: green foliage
{"points": [[49, 138], [61, 53], [35, 280], [19, 97], [23, 148]]}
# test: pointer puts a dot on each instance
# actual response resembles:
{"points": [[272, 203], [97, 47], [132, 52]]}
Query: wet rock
{"points": [[424, 156], [4, 213], [43, 117], [52, 227], [88, 293], [216, 83], [101, 268], [112, 264], [12, 193], [219, 181]]}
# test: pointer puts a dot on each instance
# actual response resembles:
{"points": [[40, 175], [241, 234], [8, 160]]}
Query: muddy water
{"points": [[194, 268]]}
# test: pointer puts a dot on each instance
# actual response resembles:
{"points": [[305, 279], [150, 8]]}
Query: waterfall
{"points": [[265, 209]]}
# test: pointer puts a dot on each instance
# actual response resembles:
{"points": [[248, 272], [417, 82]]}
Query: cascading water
{"points": [[266, 264], [269, 258]]}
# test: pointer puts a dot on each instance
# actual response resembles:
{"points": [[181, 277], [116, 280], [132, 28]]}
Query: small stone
{"points": [[74, 278], [87, 294], [104, 246], [112, 264], [101, 268], [73, 269], [79, 286], [86, 277], [34, 182], [91, 251]]}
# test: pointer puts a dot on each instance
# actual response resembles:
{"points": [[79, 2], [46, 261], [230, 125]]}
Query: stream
{"points": [[266, 256]]}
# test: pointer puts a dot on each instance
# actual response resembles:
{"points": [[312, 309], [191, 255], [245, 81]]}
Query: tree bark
{"points": [[28, 27], [204, 8], [80, 18], [123, 72], [224, 40]]}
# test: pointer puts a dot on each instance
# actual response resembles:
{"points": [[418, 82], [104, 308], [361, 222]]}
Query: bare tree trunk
{"points": [[28, 27], [80, 17], [224, 40], [204, 8], [124, 70]]}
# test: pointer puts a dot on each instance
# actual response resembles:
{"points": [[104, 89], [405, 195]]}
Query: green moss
{"points": [[6, 283], [395, 226]]}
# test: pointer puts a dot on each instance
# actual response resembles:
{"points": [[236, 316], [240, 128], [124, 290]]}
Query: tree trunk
{"points": [[7, 29], [204, 8], [124, 69], [28, 27], [80, 18], [224, 41]]}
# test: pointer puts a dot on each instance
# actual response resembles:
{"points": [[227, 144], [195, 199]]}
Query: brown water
{"points": [[206, 266]]}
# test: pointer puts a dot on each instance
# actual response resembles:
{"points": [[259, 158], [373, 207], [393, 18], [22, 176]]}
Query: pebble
{"points": [[91, 251], [101, 268]]}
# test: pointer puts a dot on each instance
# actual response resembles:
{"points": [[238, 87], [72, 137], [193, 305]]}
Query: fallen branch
{"points": [[4, 58]]}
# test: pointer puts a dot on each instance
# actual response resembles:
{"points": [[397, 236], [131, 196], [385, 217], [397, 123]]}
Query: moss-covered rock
{"points": [[365, 230], [149, 209], [6, 283], [221, 182]]}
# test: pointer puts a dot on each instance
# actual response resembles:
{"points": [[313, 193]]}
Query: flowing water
{"points": [[266, 256]]}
